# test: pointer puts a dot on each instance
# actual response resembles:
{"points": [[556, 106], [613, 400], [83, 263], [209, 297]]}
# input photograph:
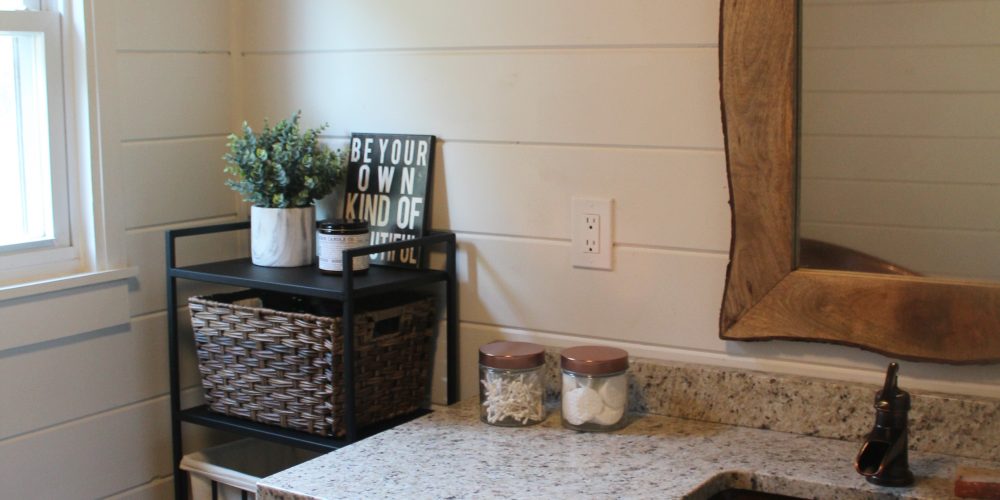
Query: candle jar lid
{"points": [[343, 225], [594, 360], [511, 355]]}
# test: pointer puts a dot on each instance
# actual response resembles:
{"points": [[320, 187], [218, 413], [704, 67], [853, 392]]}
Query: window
{"points": [[35, 232]]}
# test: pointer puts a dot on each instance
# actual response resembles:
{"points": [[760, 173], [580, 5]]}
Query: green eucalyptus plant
{"points": [[282, 167]]}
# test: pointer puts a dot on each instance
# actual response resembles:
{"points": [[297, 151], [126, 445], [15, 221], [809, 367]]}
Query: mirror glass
{"points": [[899, 161]]}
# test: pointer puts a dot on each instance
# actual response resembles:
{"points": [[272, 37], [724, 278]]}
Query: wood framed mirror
{"points": [[766, 296]]}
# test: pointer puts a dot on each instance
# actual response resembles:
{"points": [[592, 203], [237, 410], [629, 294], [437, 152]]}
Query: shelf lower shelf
{"points": [[201, 415]]}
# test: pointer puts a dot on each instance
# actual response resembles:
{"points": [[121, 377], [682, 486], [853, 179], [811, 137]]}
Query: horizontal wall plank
{"points": [[169, 181], [181, 25], [154, 490], [146, 250], [472, 336], [941, 206], [525, 190], [935, 115], [68, 384], [310, 25], [174, 95], [651, 296], [938, 69], [155, 327], [952, 254], [40, 318], [97, 456], [852, 24], [649, 97], [132, 443], [917, 159]]}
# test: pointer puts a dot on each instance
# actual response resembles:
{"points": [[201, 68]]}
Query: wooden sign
{"points": [[387, 185]]}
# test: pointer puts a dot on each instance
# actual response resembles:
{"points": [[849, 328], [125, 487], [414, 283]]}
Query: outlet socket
{"points": [[591, 228], [592, 233]]}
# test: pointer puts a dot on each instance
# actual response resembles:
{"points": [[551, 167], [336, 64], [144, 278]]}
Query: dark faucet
{"points": [[883, 458]]}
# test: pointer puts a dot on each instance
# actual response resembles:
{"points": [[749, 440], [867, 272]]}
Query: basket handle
{"points": [[390, 321]]}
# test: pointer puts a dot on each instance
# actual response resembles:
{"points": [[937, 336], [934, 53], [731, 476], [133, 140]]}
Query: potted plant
{"points": [[282, 171]]}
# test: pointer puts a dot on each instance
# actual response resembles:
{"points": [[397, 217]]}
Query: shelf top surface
{"points": [[306, 280]]}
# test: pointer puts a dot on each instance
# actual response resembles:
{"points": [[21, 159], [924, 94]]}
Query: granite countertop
{"points": [[451, 454]]}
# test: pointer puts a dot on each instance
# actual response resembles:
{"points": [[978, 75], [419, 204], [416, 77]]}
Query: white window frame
{"points": [[61, 255], [95, 254]]}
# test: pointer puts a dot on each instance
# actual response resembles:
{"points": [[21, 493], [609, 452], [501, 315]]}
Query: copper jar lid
{"points": [[594, 360], [511, 355]]}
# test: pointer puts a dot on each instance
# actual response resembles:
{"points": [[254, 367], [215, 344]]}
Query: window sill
{"points": [[62, 283]]}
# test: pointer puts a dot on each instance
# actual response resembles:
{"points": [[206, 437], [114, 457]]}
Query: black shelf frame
{"points": [[307, 281], [201, 415]]}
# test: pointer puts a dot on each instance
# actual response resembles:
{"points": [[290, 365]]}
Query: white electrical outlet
{"points": [[591, 228]]}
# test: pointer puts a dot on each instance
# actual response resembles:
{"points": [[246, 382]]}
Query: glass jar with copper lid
{"points": [[511, 384], [594, 388]]}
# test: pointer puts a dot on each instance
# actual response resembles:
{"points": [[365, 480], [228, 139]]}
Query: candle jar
{"points": [[594, 388], [511, 384], [335, 236]]}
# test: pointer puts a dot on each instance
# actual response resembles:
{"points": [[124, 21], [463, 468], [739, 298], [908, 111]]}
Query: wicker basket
{"points": [[286, 368]]}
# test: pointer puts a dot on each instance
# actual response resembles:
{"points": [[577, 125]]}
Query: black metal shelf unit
{"points": [[306, 281]]}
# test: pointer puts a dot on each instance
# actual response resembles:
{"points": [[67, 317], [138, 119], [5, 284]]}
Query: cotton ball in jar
{"points": [[614, 392], [581, 405], [609, 415], [568, 382]]}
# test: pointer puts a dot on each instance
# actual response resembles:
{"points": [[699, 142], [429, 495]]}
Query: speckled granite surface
{"points": [[450, 454], [939, 423], [704, 429]]}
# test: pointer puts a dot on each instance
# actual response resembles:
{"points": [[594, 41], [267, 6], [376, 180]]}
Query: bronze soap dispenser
{"points": [[883, 458]]}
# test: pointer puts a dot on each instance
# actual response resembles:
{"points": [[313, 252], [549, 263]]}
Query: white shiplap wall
{"points": [[901, 147], [175, 91], [532, 103], [86, 415]]}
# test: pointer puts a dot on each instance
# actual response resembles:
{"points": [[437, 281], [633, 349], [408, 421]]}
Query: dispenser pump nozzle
{"points": [[891, 398]]}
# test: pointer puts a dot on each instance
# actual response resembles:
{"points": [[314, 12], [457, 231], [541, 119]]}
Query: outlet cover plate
{"points": [[584, 231]]}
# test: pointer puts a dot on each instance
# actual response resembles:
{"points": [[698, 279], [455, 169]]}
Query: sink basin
{"points": [[753, 485], [740, 494]]}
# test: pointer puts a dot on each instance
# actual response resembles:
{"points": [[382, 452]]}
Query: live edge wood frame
{"points": [[766, 297]]}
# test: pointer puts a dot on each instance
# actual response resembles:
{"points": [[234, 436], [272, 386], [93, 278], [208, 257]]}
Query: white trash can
{"points": [[236, 467]]}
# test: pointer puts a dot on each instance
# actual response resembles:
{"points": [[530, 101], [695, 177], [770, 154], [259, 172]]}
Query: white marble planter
{"points": [[282, 237]]}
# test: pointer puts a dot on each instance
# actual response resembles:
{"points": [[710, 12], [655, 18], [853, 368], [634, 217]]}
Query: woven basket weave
{"points": [[286, 369]]}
